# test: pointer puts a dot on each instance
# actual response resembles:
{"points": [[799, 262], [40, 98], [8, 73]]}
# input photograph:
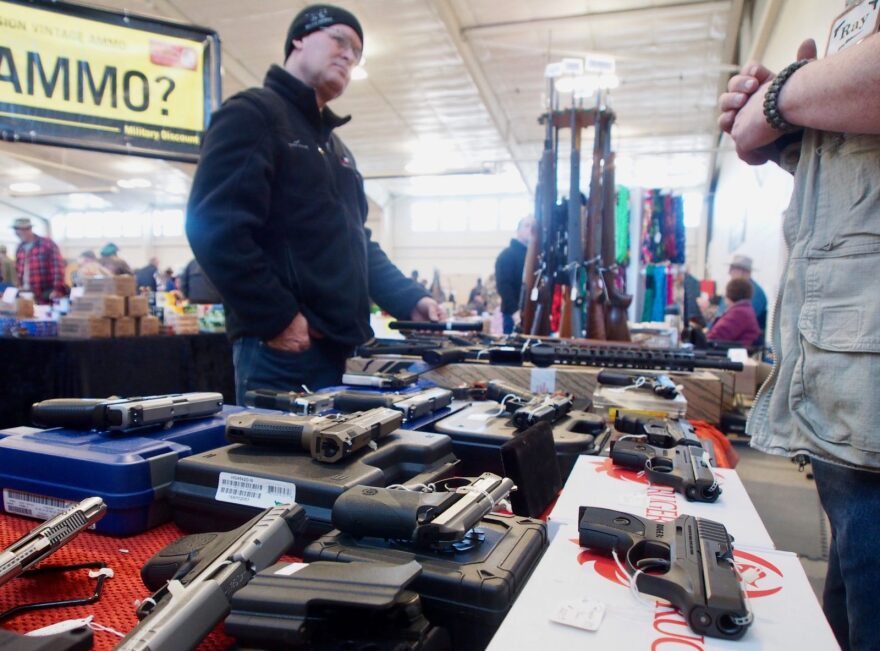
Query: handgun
{"points": [[660, 385], [411, 405], [327, 438], [527, 408], [302, 403], [659, 432], [124, 414], [206, 570], [689, 563], [684, 466], [48, 536], [422, 518], [398, 380]]}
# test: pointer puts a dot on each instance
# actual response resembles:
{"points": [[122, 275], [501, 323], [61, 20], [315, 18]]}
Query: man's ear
{"points": [[297, 44]]}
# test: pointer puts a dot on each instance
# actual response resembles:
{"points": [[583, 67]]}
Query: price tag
{"points": [[853, 25], [542, 380], [9, 295], [290, 569], [585, 614], [254, 491]]}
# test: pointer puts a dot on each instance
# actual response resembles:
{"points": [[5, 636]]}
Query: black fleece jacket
{"points": [[276, 219], [508, 275]]}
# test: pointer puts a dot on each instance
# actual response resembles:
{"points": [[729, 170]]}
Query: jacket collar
{"points": [[303, 97]]}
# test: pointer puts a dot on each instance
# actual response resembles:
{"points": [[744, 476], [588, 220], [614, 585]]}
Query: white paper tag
{"points": [[61, 627], [9, 295], [254, 491], [542, 380], [585, 614], [292, 568], [77, 292], [853, 26], [31, 505]]}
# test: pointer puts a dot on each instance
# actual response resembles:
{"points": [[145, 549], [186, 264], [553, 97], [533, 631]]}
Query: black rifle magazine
{"points": [[529, 459], [402, 457], [325, 605], [468, 588]]}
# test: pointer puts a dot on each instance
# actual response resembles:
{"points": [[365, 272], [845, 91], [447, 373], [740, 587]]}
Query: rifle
{"points": [[572, 322], [204, 571], [48, 536], [327, 438], [616, 301], [124, 414], [411, 405], [595, 286], [423, 519], [689, 563], [541, 292]]}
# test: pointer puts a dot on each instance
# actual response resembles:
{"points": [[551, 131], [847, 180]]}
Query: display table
{"points": [[115, 609], [41, 368], [704, 390], [571, 580]]}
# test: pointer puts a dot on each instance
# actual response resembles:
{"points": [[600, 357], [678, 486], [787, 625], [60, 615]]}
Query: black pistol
{"points": [[412, 405], [327, 438], [527, 408], [688, 562]]}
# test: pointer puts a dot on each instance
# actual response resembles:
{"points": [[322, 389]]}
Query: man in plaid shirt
{"points": [[38, 264]]}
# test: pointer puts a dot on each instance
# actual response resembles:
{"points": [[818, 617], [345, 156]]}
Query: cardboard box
{"points": [[107, 305], [84, 326], [124, 327], [21, 308], [118, 285], [146, 326], [137, 306], [183, 324]]}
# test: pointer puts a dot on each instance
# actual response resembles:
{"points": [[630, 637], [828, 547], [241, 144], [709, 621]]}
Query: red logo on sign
{"points": [[620, 473], [172, 55], [762, 578]]}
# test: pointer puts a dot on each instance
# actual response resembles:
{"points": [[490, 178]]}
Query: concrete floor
{"points": [[788, 504]]}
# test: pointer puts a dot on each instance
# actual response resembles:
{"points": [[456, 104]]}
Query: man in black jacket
{"points": [[509, 271], [276, 218]]}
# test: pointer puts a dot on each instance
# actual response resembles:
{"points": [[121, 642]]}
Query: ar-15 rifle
{"points": [[204, 571], [423, 519], [411, 405], [592, 232], [527, 408], [689, 563], [327, 438], [684, 466], [302, 403], [617, 303], [48, 536], [124, 414]]}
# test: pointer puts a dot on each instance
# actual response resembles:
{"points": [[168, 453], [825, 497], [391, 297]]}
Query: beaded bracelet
{"points": [[771, 109]]}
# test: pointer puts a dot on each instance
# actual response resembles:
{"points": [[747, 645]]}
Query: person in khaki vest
{"points": [[820, 117]]}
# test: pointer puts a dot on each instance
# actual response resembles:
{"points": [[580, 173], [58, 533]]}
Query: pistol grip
{"points": [[606, 530]]}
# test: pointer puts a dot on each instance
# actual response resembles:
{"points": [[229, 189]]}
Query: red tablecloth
{"points": [[116, 608]]}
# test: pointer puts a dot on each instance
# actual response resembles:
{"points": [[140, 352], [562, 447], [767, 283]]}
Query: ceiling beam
{"points": [[587, 15], [493, 105]]}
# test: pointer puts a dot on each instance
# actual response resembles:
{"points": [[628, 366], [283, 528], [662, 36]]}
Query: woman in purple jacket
{"points": [[738, 323]]}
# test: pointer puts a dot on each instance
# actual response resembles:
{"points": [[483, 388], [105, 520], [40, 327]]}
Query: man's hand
{"points": [[742, 109], [427, 309], [294, 338]]}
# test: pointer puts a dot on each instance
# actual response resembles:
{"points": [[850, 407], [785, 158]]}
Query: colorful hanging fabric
{"points": [[663, 232], [621, 226]]}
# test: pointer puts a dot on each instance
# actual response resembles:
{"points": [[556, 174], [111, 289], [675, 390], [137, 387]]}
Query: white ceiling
{"points": [[464, 78]]}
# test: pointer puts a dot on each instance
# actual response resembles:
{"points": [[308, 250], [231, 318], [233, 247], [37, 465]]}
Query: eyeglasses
{"points": [[344, 42]]}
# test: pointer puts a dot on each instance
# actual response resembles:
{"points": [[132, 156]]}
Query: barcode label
{"points": [[254, 491], [32, 505]]}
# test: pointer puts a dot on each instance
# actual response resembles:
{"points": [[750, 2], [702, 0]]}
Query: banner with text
{"points": [[89, 78]]}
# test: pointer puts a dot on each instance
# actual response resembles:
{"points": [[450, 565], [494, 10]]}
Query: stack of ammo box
{"points": [[109, 307]]}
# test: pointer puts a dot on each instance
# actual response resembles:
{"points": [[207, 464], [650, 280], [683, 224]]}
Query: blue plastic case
{"points": [[42, 470]]}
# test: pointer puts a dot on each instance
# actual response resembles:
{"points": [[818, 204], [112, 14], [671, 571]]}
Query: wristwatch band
{"points": [[771, 98]]}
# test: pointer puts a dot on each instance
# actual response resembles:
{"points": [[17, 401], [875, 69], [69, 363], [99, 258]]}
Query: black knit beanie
{"points": [[315, 17]]}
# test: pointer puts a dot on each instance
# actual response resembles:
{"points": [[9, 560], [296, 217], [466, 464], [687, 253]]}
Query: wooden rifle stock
{"points": [[616, 327], [595, 290]]}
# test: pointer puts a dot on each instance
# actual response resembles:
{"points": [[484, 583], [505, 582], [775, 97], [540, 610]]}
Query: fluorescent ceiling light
{"points": [[130, 184], [25, 187]]}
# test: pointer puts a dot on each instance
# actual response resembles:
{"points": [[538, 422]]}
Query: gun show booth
{"points": [[563, 460]]}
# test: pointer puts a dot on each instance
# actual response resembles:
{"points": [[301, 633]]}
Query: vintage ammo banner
{"points": [[84, 77]]}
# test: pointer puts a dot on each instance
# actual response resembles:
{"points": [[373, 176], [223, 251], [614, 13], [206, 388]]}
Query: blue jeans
{"points": [[257, 366], [851, 498], [507, 323]]}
